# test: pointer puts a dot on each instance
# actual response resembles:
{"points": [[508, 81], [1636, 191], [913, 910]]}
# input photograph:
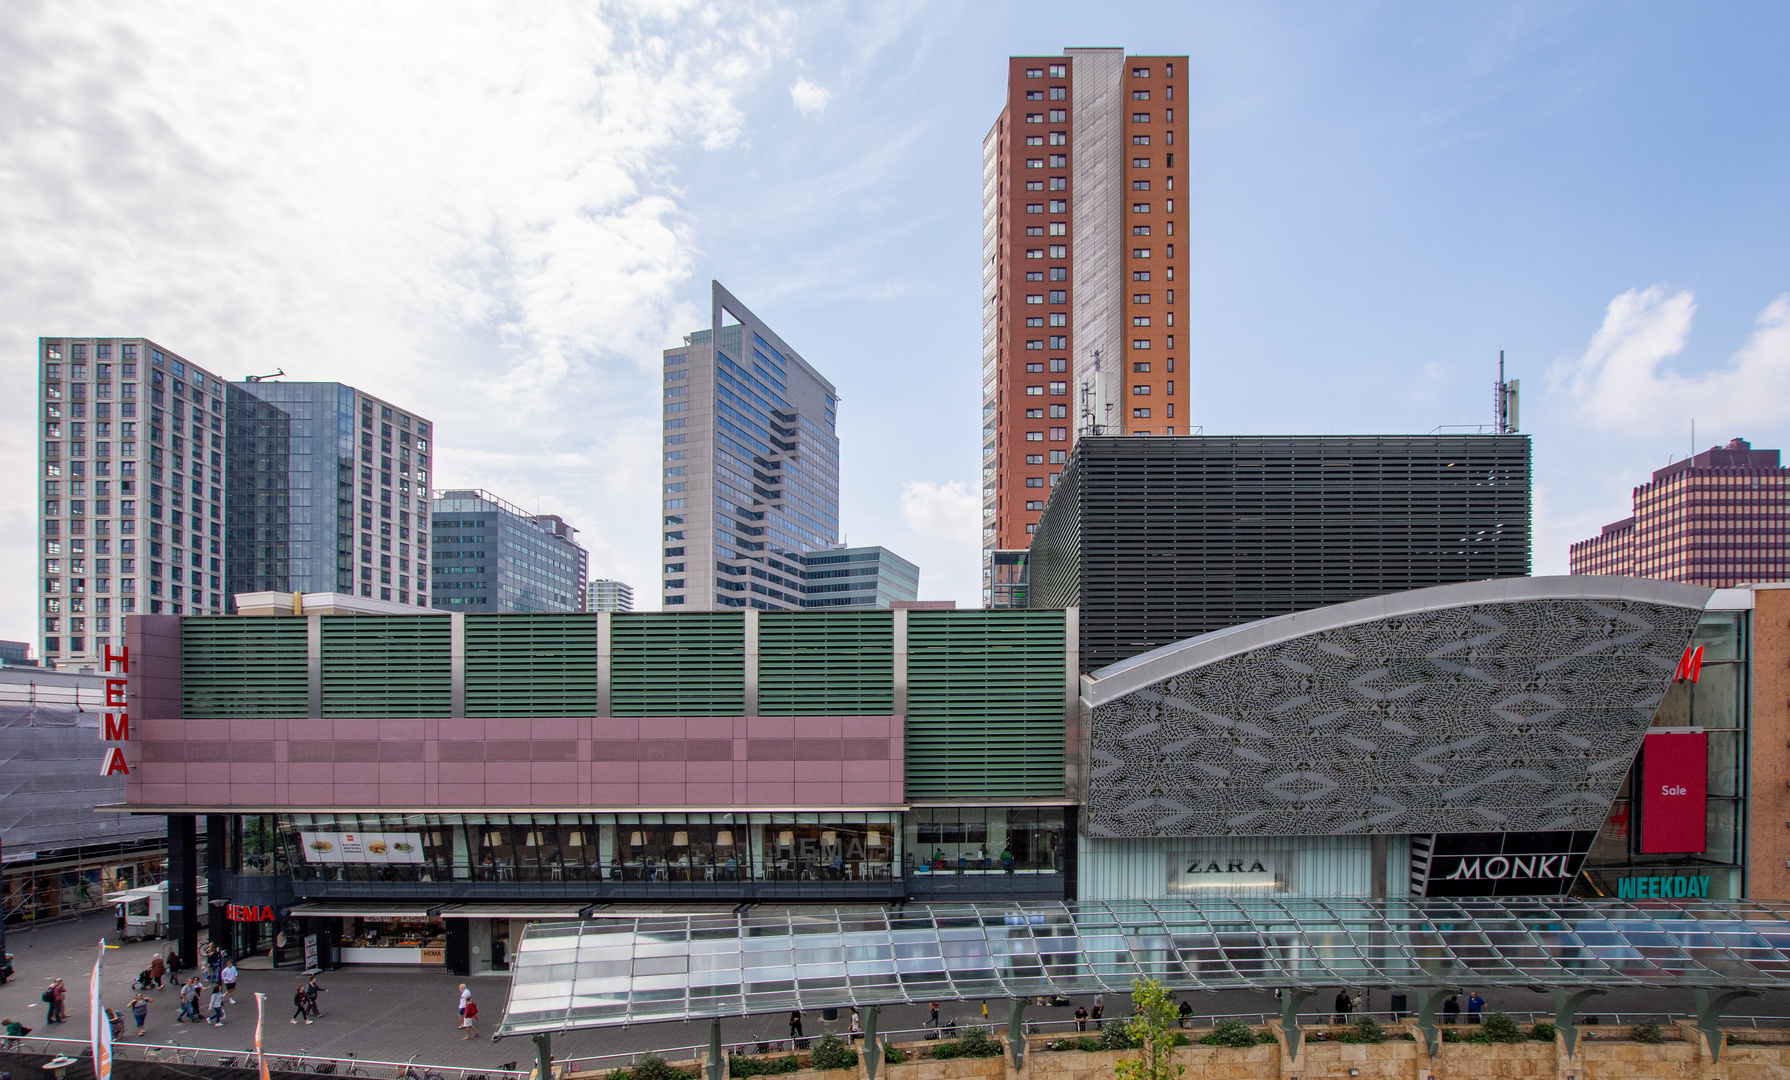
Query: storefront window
{"points": [[986, 839], [393, 940]]}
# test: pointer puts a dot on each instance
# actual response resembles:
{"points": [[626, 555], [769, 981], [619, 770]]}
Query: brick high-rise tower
{"points": [[1720, 519], [1084, 228]]}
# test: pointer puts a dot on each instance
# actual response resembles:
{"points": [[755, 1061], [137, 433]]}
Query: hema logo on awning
{"points": [[1663, 887]]}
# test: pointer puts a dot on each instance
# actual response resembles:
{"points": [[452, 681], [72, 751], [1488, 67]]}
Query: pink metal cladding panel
{"points": [[518, 763]]}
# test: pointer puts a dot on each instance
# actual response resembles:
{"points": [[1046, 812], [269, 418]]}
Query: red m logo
{"points": [[1690, 665]]}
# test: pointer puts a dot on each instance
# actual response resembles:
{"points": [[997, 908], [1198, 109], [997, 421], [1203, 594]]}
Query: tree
{"points": [[1152, 1028]]}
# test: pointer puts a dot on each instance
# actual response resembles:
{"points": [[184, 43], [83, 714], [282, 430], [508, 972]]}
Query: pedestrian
{"points": [[119, 912], [796, 1039], [1451, 1010], [1099, 1011], [1358, 1004], [61, 1003], [311, 992], [1007, 858], [218, 997], [158, 970], [1343, 1006], [115, 1022], [932, 1017], [1081, 1018], [299, 1004], [13, 1029], [228, 978], [1186, 1012], [1475, 1006], [466, 1021], [186, 1002], [140, 1012]]}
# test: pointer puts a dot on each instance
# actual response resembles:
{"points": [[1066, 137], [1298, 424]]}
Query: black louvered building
{"points": [[1161, 539]]}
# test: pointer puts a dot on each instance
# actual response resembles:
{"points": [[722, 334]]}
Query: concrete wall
{"points": [[1768, 845]]}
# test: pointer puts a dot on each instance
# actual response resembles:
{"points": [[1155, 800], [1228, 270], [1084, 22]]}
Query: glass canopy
{"points": [[610, 972]]}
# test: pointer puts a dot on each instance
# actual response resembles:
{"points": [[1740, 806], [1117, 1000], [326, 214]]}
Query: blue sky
{"points": [[501, 217]]}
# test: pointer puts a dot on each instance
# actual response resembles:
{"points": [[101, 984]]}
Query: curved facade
{"points": [[1506, 705]]}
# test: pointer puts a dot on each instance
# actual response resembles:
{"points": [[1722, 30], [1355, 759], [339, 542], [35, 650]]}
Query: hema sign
{"points": [[1674, 786]]}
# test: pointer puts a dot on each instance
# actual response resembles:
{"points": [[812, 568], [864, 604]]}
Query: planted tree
{"points": [[1152, 1030]]}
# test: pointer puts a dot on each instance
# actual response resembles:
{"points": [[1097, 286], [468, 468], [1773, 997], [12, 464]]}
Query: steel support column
{"points": [[1428, 997], [1566, 1011], [543, 1056], [873, 1048], [1290, 1000], [717, 1064], [1709, 1016], [1016, 1030]]}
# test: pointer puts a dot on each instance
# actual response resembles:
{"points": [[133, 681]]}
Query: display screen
{"points": [[1674, 783]]}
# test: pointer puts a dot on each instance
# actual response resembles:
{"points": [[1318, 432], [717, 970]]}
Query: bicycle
{"points": [[173, 1053]]}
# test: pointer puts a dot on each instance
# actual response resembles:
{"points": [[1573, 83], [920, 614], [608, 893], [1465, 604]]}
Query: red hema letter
{"points": [[1690, 665], [114, 762], [122, 658], [116, 727]]}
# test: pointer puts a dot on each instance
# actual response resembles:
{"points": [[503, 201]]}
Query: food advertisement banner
{"points": [[371, 847]]}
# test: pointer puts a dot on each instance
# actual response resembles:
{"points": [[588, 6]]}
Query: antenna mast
{"points": [[1505, 400]]}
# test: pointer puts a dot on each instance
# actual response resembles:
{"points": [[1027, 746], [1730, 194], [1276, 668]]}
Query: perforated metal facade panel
{"points": [[386, 665], [689, 665]]}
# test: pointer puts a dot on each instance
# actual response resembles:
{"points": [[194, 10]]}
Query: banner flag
{"points": [[260, 1058], [98, 1023]]}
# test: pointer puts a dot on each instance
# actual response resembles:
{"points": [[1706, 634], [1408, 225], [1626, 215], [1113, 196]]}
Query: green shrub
{"points": [[1502, 1028], [1114, 1036], [1231, 1033], [1481, 1037], [893, 1055], [1449, 1035], [742, 1067], [1648, 1031], [1542, 1032], [1088, 1043], [1367, 1030], [650, 1066], [945, 1051], [831, 1052], [976, 1044]]}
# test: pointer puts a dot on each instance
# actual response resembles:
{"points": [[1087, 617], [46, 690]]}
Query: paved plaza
{"points": [[396, 1014]]}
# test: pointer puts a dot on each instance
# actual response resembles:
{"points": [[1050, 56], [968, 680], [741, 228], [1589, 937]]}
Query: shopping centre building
{"points": [[408, 789]]}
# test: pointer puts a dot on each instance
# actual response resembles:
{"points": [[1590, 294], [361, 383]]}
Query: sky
{"points": [[498, 215]]}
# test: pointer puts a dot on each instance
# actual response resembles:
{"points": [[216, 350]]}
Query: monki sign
{"points": [[1663, 887], [115, 727]]}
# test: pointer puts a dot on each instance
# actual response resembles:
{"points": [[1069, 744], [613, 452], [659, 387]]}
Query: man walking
{"points": [[311, 992], [228, 978], [932, 1016], [1099, 1011], [1343, 1006], [187, 992], [796, 1039]]}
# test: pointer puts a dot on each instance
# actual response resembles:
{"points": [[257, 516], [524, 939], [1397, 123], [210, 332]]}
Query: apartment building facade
{"points": [[607, 594], [491, 556], [1720, 518], [1084, 225]]}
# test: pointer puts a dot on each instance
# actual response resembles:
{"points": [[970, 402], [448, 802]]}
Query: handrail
{"points": [[276, 1061]]}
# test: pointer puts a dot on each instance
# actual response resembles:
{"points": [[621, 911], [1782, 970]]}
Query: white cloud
{"points": [[811, 99], [1622, 382], [942, 532], [467, 210]]}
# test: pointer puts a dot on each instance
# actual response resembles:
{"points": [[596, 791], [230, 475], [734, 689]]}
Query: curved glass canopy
{"points": [[615, 971]]}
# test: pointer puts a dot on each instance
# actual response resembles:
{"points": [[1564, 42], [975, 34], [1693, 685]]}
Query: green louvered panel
{"points": [[812, 664], [238, 666], [386, 665], [985, 699], [672, 664], [531, 665]]}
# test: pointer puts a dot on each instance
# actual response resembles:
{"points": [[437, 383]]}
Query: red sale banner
{"points": [[1674, 782]]}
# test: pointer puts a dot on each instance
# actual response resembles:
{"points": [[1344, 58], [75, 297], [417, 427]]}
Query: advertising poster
{"points": [[348, 847], [1674, 783]]}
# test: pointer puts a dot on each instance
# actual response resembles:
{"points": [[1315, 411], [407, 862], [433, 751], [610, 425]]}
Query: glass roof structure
{"points": [[611, 972]]}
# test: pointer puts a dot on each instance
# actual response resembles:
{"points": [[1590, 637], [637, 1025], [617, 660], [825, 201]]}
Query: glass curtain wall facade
{"points": [[1717, 703], [751, 464], [131, 479], [491, 556], [314, 468]]}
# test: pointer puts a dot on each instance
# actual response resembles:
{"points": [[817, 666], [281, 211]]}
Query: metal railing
{"points": [[302, 1061]]}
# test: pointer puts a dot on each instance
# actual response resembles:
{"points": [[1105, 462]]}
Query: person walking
{"points": [[299, 1003], [796, 1039], [187, 990], [61, 1003], [218, 997], [228, 978], [1475, 1006], [467, 1020], [1451, 1010], [857, 1027], [311, 992], [1343, 1006], [158, 970], [1099, 1012], [932, 1016], [140, 1012]]}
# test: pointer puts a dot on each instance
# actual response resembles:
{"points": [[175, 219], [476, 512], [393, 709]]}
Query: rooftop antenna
{"points": [[1506, 400], [257, 378]]}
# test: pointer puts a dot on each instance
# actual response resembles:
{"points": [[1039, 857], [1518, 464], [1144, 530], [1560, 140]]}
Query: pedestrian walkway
{"points": [[395, 1014]]}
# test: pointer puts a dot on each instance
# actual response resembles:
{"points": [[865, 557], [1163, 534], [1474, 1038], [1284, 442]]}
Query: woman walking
{"points": [[217, 1006], [467, 1018]]}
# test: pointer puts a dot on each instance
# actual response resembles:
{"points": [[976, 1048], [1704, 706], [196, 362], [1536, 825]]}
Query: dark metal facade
{"points": [[1161, 539]]}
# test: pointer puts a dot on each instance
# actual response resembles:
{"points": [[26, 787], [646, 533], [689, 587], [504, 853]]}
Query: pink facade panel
{"points": [[589, 763]]}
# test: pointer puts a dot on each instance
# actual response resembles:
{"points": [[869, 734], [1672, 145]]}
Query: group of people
{"points": [[1097, 1017], [1348, 1004], [304, 1001]]}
